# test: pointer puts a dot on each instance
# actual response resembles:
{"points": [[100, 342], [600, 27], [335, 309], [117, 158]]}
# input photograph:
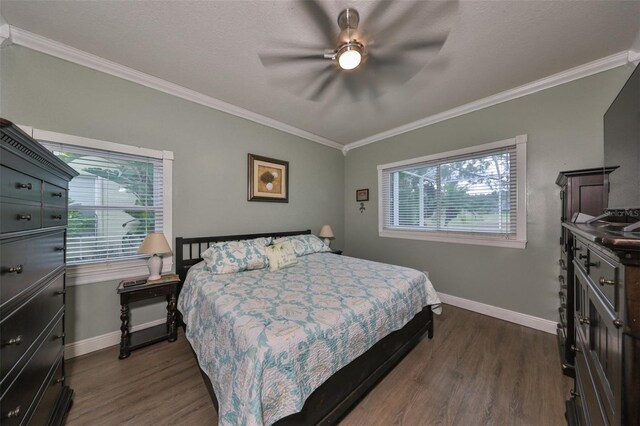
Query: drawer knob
{"points": [[575, 348], [56, 217], [618, 323], [56, 194], [24, 217], [15, 269], [60, 292], [60, 380], [59, 336], [562, 264], [574, 394], [60, 249], [25, 186], [13, 413], [582, 256], [583, 320], [588, 264], [13, 341], [604, 282]]}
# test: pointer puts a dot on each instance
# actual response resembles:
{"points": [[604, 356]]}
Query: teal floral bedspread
{"points": [[267, 340]]}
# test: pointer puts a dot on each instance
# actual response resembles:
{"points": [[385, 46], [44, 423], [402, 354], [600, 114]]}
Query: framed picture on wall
{"points": [[268, 179], [362, 194]]}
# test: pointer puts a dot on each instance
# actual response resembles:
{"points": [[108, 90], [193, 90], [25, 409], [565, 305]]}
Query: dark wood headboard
{"points": [[188, 249]]}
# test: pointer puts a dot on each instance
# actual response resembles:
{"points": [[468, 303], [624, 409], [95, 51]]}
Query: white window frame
{"points": [[117, 269], [519, 242]]}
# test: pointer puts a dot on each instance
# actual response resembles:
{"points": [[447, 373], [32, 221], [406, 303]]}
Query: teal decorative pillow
{"points": [[281, 255], [305, 244], [236, 256]]}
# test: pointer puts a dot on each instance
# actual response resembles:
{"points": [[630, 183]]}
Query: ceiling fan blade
{"points": [[352, 84], [324, 85], [441, 8], [430, 44], [391, 69], [322, 19], [286, 58], [378, 10]]}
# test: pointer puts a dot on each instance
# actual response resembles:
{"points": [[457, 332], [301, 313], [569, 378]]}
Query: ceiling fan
{"points": [[363, 58]]}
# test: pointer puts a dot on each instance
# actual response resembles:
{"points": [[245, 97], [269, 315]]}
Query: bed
{"points": [[301, 345]]}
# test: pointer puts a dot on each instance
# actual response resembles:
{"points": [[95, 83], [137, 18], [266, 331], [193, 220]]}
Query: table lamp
{"points": [[155, 244], [327, 233]]}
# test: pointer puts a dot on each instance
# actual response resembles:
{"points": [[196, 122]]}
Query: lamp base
{"points": [[327, 241], [155, 267]]}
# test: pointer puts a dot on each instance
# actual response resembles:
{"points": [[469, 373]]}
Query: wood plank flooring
{"points": [[477, 370]]}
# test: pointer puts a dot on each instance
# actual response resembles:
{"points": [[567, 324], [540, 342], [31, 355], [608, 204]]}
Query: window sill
{"points": [[109, 271], [478, 241]]}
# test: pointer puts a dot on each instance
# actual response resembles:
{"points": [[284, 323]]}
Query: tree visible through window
{"points": [[114, 202], [457, 194]]}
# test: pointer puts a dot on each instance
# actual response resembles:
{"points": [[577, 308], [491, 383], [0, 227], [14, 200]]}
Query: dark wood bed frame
{"points": [[333, 399]]}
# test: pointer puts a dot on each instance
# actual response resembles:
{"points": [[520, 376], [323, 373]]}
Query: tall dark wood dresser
{"points": [[606, 269], [33, 222], [581, 191]]}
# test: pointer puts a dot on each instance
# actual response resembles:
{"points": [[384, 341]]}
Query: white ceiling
{"points": [[212, 47]]}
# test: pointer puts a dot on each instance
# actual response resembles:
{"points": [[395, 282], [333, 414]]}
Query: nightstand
{"points": [[166, 286], [336, 251]]}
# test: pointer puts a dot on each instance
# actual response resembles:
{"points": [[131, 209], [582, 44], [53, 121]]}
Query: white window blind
{"points": [[473, 194], [115, 201]]}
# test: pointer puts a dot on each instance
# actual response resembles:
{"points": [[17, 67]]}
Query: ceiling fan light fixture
{"points": [[350, 56]]}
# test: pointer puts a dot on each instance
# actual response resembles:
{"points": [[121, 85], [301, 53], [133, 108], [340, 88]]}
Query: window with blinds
{"points": [[116, 200], [466, 194]]}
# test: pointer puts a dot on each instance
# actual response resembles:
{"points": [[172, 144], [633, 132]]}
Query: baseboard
{"points": [[96, 343], [500, 313]]}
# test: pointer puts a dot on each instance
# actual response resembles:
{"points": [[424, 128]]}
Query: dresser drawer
{"points": [[19, 186], [54, 216], [33, 257], [19, 217], [580, 254], [563, 262], [20, 330], [605, 362], [54, 195], [16, 401], [42, 414], [587, 398], [604, 275]]}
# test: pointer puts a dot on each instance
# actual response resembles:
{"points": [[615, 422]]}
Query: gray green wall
{"points": [[564, 126], [209, 170]]}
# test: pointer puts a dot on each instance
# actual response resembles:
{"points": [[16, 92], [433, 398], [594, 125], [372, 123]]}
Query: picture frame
{"points": [[268, 179], [362, 194]]}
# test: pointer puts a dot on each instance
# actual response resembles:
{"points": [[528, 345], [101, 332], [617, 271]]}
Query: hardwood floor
{"points": [[477, 370]]}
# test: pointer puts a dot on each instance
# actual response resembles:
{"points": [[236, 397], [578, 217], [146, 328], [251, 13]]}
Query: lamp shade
{"points": [[326, 232], [154, 243]]}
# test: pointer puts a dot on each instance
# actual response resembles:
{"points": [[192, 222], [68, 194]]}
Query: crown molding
{"points": [[5, 33], [11, 34], [590, 68], [50, 47]]}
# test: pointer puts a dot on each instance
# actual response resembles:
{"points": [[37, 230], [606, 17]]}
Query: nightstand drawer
{"points": [[26, 261], [19, 217], [20, 330], [19, 186], [16, 401]]}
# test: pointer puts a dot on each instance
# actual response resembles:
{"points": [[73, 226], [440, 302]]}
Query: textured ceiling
{"points": [[213, 47]]}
